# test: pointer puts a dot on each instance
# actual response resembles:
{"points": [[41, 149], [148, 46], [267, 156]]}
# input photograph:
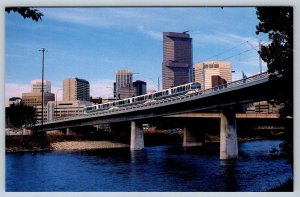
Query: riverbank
{"points": [[25, 143], [85, 145], [101, 140]]}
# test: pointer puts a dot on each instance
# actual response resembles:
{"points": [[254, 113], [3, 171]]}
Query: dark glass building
{"points": [[177, 66], [141, 87]]}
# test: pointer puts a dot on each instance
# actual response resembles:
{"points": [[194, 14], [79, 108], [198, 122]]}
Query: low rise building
{"points": [[61, 109], [34, 99]]}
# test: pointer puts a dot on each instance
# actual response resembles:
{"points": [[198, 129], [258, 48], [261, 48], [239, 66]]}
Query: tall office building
{"points": [[141, 87], [76, 89], [123, 79], [36, 86], [177, 66], [206, 71]]}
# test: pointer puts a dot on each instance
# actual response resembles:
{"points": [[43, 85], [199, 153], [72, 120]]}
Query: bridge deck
{"points": [[217, 115]]}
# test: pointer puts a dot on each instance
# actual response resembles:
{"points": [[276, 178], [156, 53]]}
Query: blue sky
{"points": [[92, 43]]}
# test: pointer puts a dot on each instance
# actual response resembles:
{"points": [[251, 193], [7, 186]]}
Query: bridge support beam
{"points": [[69, 131], [191, 137], [228, 135], [27, 131], [136, 136]]}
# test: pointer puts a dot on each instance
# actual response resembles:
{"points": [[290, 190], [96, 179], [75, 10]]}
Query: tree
{"points": [[277, 22], [20, 115], [26, 12]]}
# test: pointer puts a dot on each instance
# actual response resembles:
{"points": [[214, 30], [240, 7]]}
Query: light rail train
{"points": [[174, 91]]}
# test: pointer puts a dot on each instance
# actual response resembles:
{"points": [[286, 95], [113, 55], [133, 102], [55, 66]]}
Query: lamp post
{"points": [[43, 51], [158, 84]]}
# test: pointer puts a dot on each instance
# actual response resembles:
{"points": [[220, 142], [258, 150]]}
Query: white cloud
{"points": [[15, 90], [153, 34], [220, 38], [101, 17], [86, 17], [102, 88]]}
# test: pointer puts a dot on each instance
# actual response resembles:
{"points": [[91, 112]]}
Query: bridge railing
{"points": [[213, 90]]}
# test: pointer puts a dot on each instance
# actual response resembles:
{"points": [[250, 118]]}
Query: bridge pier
{"points": [[69, 131], [136, 136], [228, 135], [27, 131], [191, 137]]}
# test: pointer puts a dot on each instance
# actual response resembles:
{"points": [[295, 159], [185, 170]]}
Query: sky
{"points": [[92, 43]]}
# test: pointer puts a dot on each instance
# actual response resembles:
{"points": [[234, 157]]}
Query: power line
{"points": [[227, 50], [242, 52]]}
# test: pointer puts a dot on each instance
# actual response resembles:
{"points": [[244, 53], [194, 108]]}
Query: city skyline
{"points": [[92, 43]]}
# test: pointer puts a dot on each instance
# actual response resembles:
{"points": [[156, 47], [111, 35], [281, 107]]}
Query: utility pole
{"points": [[259, 49], [260, 66], [43, 51]]}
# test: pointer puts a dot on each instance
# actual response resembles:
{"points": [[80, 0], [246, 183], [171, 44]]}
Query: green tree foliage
{"points": [[26, 12], [277, 22], [20, 115]]}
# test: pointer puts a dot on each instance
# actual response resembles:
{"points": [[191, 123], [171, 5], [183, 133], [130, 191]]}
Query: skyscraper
{"points": [[123, 79], [204, 72], [177, 66], [76, 89]]}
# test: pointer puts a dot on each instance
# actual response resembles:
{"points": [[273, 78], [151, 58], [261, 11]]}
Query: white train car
{"points": [[174, 91]]}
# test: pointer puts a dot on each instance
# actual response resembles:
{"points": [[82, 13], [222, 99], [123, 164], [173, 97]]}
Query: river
{"points": [[156, 168]]}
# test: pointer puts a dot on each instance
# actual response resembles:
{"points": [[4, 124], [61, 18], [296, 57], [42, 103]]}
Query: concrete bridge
{"points": [[226, 99]]}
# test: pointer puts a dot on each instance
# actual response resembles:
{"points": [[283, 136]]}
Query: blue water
{"points": [[156, 168]]}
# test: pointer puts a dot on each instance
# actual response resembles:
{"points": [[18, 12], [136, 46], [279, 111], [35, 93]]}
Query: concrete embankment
{"points": [[85, 145]]}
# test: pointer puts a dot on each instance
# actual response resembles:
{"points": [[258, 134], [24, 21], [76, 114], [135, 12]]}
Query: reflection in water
{"points": [[156, 168], [229, 173], [138, 156]]}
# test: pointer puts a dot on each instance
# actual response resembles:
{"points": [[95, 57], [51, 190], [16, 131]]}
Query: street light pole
{"points": [[43, 51]]}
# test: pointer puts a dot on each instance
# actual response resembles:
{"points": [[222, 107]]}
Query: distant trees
{"points": [[20, 115], [26, 12]]}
